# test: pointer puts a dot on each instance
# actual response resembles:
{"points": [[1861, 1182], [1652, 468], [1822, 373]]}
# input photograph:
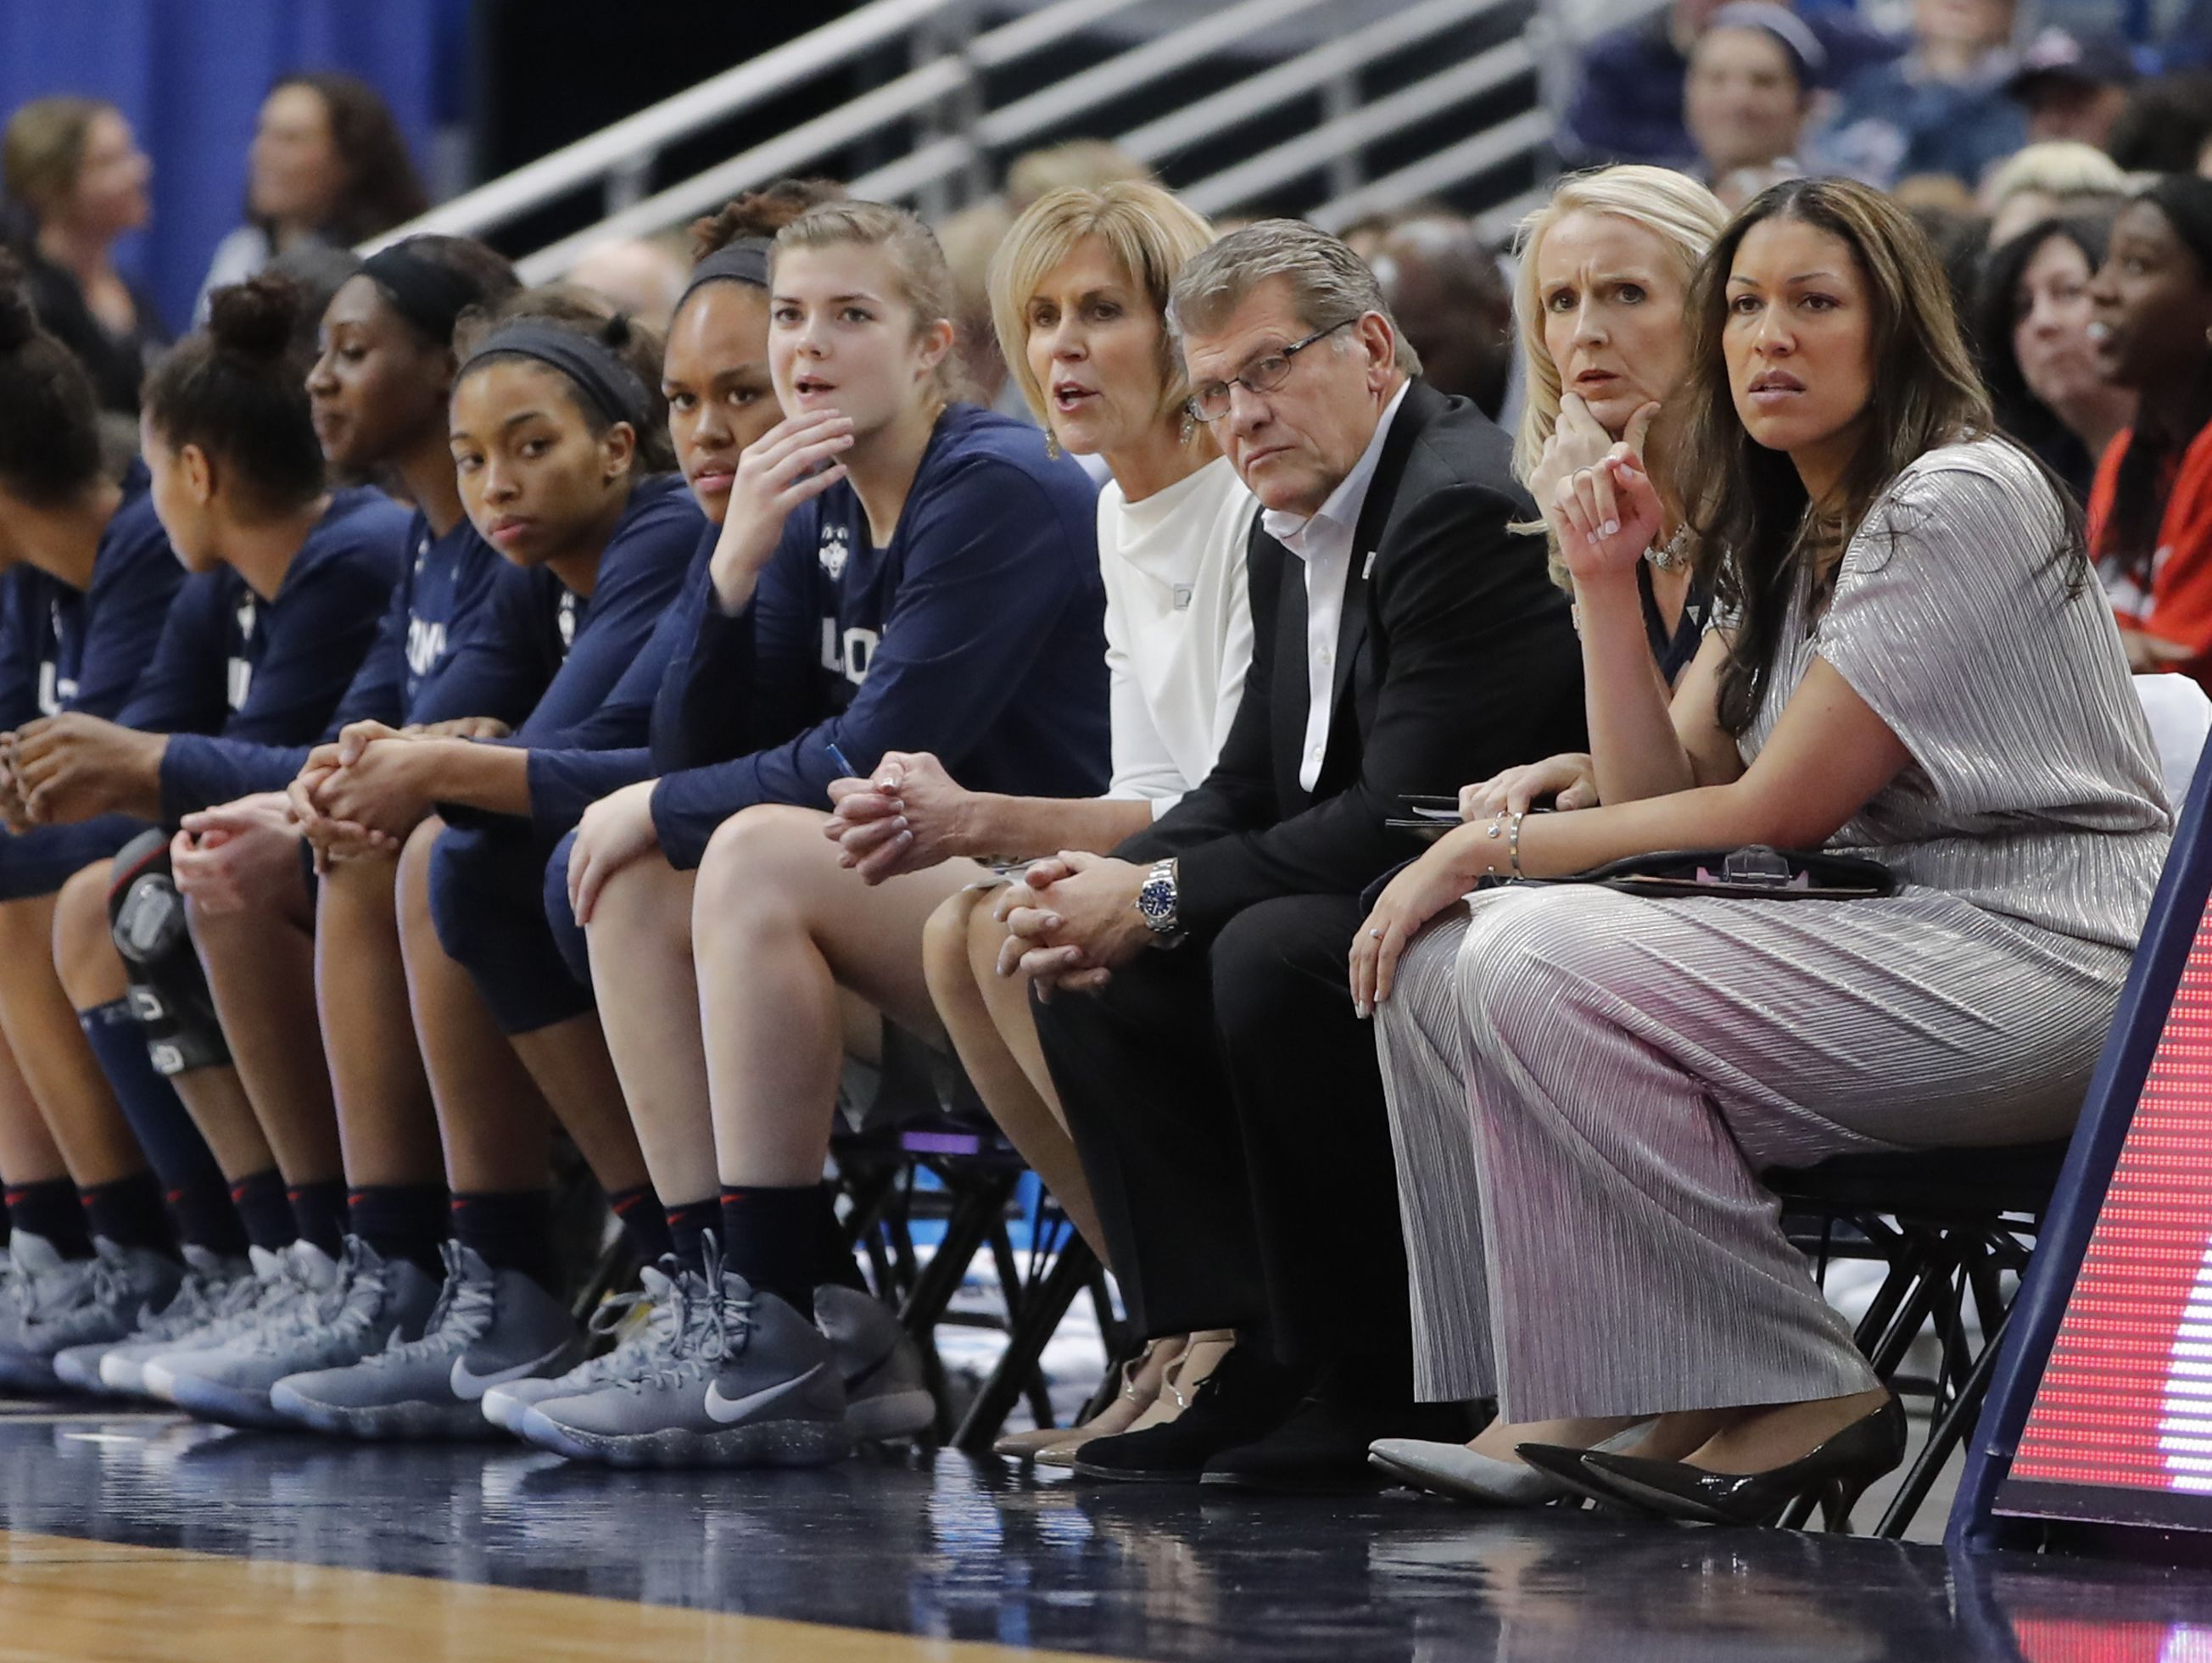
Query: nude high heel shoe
{"points": [[1201, 1354], [1142, 1377]]}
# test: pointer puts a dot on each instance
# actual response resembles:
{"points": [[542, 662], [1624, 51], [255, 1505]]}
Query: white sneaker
{"points": [[213, 1288]]}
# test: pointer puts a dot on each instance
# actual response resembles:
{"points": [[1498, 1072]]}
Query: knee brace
{"points": [[169, 995]]}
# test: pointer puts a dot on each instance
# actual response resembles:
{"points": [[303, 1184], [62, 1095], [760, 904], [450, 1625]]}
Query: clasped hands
{"points": [[61, 769], [362, 794], [1072, 920]]}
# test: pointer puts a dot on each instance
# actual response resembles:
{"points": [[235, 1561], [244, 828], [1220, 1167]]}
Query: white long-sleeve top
{"points": [[1178, 628]]}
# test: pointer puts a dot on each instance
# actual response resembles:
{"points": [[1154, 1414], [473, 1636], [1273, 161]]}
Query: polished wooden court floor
{"points": [[144, 1537]]}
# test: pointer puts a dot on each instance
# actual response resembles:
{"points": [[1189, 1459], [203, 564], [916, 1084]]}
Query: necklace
{"points": [[1675, 555]]}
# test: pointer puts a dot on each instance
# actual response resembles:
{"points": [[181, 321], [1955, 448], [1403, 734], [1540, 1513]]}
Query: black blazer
{"points": [[1456, 658]]}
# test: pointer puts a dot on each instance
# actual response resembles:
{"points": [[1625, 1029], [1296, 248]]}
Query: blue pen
{"points": [[841, 760]]}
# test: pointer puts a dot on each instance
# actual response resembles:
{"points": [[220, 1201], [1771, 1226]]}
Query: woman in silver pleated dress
{"points": [[1913, 662]]}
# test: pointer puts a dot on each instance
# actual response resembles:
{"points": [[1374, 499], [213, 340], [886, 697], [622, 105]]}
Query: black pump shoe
{"points": [[1838, 1471], [1563, 1464]]}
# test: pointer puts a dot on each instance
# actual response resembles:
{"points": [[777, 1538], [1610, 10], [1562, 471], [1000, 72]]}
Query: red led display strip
{"points": [[2126, 1398]]}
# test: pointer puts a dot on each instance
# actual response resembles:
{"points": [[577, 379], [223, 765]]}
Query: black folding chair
{"points": [[1950, 1225], [922, 1117]]}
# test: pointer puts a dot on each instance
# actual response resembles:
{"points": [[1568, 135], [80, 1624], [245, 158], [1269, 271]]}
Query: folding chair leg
{"points": [[1956, 1424], [1041, 1317]]}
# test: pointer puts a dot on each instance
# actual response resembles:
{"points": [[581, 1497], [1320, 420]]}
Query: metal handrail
{"points": [[612, 150], [1309, 151], [943, 89], [827, 133], [1296, 77]]}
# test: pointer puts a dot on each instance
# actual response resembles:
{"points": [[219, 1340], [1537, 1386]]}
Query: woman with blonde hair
{"points": [[1601, 295], [1079, 295]]}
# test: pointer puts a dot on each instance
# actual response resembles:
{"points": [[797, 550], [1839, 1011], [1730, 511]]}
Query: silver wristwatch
{"points": [[1157, 903]]}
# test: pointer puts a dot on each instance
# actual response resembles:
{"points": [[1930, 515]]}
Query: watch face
{"points": [[1156, 898]]}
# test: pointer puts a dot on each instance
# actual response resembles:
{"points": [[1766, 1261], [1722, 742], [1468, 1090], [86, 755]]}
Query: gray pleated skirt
{"points": [[1585, 1084]]}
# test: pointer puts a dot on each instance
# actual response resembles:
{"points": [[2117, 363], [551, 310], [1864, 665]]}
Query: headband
{"points": [[745, 261], [429, 296], [591, 364], [1809, 59]]}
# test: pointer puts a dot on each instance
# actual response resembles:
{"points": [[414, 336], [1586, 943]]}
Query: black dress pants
{"points": [[1229, 1111]]}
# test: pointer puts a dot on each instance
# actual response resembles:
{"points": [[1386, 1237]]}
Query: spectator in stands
{"points": [[641, 276], [1081, 164], [1079, 293], [2150, 507], [1960, 238], [1225, 1103], [1620, 1281], [88, 582], [2073, 86], [713, 888], [1748, 94], [970, 238], [1627, 104], [1444, 288], [2046, 181], [328, 164], [287, 583], [1942, 107], [2032, 328], [76, 175], [2166, 126]]}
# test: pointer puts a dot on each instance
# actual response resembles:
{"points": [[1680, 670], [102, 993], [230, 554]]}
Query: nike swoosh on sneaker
{"points": [[469, 1388], [728, 1410]]}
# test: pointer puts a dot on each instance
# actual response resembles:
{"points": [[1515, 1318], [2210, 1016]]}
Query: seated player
{"points": [[288, 581]]}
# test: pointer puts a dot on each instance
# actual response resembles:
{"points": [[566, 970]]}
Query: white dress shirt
{"points": [[1178, 628], [1324, 543]]}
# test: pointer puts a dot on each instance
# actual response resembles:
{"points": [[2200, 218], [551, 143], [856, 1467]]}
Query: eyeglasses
{"points": [[1211, 402]]}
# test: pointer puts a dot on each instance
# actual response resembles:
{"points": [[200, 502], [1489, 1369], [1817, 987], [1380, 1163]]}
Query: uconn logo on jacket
{"points": [[239, 678], [852, 620]]}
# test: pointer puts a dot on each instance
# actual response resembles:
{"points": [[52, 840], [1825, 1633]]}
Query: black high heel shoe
{"points": [[1838, 1471]]}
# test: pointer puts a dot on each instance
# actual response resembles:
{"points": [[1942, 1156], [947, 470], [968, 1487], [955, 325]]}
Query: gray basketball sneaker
{"points": [[213, 1288], [490, 1327], [243, 1303], [748, 1382], [343, 1311], [652, 1310], [123, 1285], [39, 1279], [886, 1395]]}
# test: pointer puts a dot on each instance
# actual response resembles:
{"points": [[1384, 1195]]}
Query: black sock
{"points": [[319, 1213], [195, 1184], [643, 1220], [688, 1225], [772, 1237], [50, 1208], [264, 1210], [128, 1213], [510, 1230], [403, 1221], [836, 1263]]}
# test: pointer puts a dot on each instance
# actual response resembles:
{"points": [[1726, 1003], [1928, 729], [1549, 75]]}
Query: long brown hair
{"points": [[1745, 503]]}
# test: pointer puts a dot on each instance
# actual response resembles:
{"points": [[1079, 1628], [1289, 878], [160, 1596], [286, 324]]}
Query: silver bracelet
{"points": [[1513, 843], [1495, 830]]}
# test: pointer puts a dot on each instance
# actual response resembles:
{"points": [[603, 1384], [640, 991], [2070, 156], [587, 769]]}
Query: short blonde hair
{"points": [[925, 281], [2058, 167], [43, 149], [1674, 207], [1148, 233]]}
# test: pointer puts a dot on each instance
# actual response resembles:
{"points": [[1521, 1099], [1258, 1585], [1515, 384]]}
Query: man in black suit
{"points": [[1225, 1097]]}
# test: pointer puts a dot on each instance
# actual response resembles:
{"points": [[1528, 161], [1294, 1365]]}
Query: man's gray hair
{"points": [[1329, 284]]}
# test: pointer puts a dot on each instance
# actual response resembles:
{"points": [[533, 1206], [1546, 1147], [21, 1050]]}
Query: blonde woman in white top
{"points": [[1079, 295]]}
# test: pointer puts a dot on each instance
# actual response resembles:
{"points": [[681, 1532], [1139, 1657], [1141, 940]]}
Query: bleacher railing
{"points": [[953, 140]]}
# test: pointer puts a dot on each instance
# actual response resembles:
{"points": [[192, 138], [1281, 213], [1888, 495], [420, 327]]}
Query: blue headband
{"points": [[592, 364]]}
